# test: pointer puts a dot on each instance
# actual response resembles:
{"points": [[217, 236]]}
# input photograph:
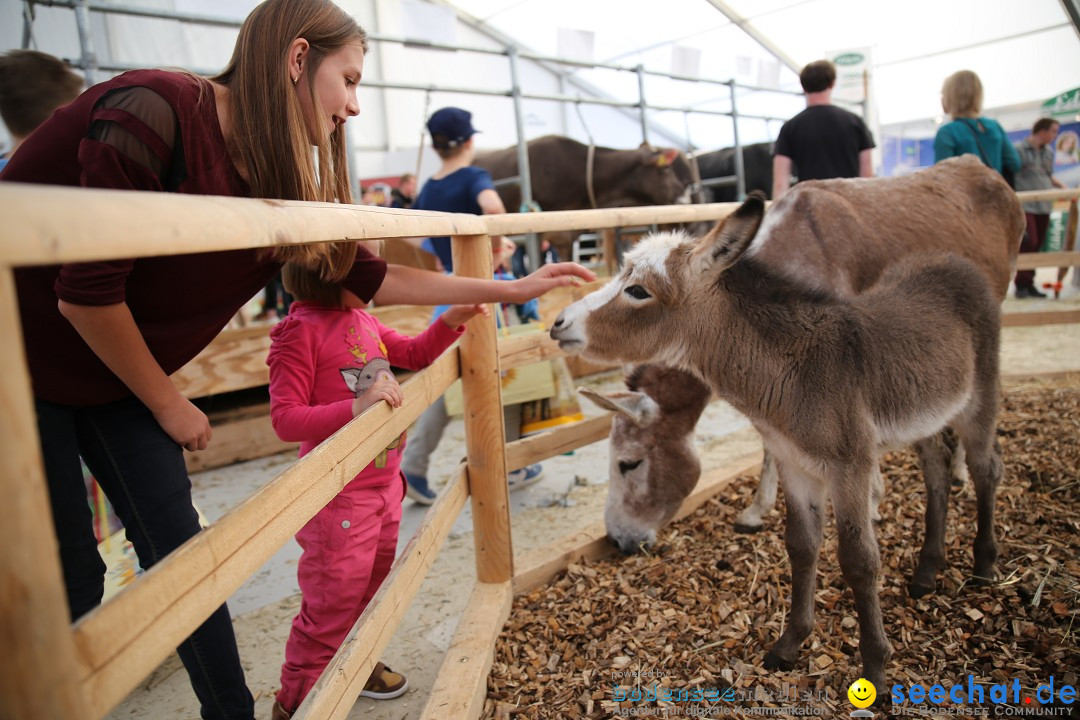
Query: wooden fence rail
{"points": [[55, 670]]}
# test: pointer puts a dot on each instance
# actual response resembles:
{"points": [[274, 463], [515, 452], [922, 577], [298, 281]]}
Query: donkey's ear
{"points": [[637, 407], [726, 242]]}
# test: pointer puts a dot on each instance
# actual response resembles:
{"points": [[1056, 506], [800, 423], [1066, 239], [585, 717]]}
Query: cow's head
{"points": [[659, 176]]}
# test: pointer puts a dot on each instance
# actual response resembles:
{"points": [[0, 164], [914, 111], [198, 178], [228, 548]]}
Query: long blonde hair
{"points": [[269, 130], [962, 94]]}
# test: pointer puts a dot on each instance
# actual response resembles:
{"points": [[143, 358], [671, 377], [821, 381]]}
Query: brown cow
{"points": [[621, 178]]}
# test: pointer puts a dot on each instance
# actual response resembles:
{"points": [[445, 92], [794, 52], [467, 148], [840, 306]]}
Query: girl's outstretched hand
{"points": [[457, 315], [547, 278]]}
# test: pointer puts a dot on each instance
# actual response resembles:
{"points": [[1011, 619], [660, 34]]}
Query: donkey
{"points": [[828, 381], [651, 437], [653, 465], [867, 231]]}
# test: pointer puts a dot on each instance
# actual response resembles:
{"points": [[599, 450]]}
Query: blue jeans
{"points": [[142, 472]]}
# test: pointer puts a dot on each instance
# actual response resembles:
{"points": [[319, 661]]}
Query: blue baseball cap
{"points": [[450, 127]]}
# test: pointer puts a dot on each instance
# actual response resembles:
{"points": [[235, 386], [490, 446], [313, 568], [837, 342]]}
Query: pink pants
{"points": [[348, 550]]}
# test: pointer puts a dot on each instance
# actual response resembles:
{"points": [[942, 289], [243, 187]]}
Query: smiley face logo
{"points": [[862, 693]]}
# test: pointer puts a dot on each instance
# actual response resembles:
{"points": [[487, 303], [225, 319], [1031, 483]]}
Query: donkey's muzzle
{"points": [[628, 545], [562, 332]]}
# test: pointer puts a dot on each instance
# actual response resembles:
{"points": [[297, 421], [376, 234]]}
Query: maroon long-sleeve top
{"points": [[143, 130]]}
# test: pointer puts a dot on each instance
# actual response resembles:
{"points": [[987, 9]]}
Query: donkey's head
{"points": [[642, 314], [653, 465]]}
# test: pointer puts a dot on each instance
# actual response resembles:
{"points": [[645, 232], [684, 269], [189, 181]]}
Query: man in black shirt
{"points": [[823, 141]]}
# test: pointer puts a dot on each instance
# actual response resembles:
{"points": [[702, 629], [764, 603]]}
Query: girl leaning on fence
{"points": [[102, 338], [329, 361]]}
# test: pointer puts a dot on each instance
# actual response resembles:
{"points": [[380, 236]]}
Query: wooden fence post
{"points": [[39, 676], [485, 436]]}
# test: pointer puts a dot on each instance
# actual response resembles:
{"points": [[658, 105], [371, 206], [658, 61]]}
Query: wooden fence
{"points": [[53, 669]]}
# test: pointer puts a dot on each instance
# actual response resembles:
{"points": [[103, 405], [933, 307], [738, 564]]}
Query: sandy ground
{"points": [[570, 497]]}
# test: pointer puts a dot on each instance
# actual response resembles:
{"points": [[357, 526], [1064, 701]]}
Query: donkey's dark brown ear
{"points": [[726, 242]]}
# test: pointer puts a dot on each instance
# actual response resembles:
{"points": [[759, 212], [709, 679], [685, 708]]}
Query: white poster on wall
{"points": [[853, 74], [854, 90]]}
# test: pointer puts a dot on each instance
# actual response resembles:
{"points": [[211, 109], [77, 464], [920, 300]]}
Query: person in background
{"points": [[32, 85], [969, 133], [276, 301], [823, 141], [1036, 172], [503, 264], [377, 194], [548, 253], [270, 125], [457, 186], [404, 194], [329, 362], [520, 259]]}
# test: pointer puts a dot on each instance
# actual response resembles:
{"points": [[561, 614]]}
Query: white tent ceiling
{"points": [[1026, 51]]}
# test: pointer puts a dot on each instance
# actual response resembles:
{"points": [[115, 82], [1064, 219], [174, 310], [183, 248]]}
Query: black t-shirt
{"points": [[824, 141]]}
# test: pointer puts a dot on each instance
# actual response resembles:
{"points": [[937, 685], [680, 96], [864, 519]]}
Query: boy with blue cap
{"points": [[457, 186]]}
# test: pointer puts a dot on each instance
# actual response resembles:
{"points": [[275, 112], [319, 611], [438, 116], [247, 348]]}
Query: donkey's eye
{"points": [[637, 292], [626, 466]]}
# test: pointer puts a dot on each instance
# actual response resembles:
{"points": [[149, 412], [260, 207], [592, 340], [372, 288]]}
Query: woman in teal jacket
{"points": [[961, 98]]}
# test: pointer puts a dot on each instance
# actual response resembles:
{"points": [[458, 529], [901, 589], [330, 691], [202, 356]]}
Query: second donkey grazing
{"points": [[828, 381]]}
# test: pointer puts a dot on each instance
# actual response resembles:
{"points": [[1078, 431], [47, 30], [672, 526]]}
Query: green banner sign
{"points": [[1067, 104], [849, 59]]}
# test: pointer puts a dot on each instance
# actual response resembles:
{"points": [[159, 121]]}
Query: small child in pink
{"points": [[329, 361]]}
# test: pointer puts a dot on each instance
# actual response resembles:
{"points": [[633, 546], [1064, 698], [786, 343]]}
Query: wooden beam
{"points": [[485, 434], [1053, 195], [461, 686], [540, 566], [525, 452], [124, 639], [1046, 317], [107, 224], [527, 349], [1033, 261], [336, 691], [90, 228], [1061, 376], [40, 677], [234, 360], [519, 223]]}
